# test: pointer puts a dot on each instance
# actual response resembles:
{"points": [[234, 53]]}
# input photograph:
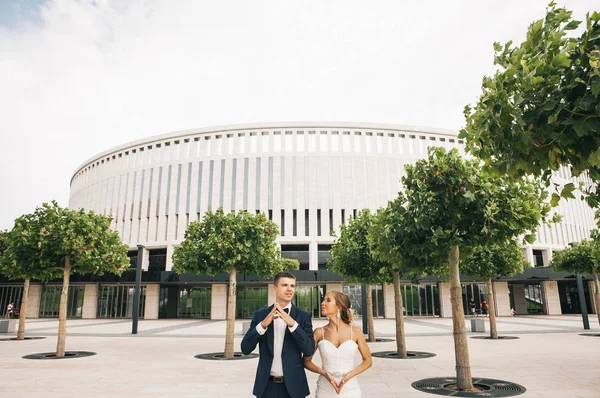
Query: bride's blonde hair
{"points": [[343, 302]]}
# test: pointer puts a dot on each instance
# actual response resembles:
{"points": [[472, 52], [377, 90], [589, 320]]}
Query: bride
{"points": [[338, 342]]}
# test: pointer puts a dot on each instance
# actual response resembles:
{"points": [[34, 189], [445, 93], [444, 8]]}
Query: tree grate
{"points": [[489, 387], [499, 337], [26, 338], [219, 356], [410, 354], [68, 355]]}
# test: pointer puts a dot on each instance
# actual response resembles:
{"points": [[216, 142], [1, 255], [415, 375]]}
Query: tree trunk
{"points": [[491, 309], [461, 348], [400, 340], [596, 292], [62, 310], [230, 314], [23, 311], [370, 323]]}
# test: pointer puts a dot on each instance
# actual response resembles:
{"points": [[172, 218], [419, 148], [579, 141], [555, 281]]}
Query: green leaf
{"points": [[596, 86], [567, 191], [555, 199]]}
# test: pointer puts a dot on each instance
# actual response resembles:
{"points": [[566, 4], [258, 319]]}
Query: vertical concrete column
{"points": [[529, 256], [33, 305], [152, 301], [520, 300], [551, 297], [169, 264], [445, 303], [388, 302], [546, 256], [218, 301], [145, 259], [313, 255], [502, 298], [90, 301]]}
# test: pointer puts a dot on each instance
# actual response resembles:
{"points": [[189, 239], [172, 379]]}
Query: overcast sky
{"points": [[78, 77]]}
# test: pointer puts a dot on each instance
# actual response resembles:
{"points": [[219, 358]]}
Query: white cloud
{"points": [[84, 76]]}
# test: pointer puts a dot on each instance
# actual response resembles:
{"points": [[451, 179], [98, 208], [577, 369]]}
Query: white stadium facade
{"points": [[309, 178]]}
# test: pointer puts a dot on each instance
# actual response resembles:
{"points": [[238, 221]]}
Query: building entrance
{"points": [[309, 298], [569, 297]]}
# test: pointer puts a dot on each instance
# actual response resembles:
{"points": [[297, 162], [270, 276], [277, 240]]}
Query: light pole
{"points": [[136, 292], [581, 294]]}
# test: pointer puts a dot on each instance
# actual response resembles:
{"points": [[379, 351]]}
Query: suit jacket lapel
{"points": [[287, 334], [271, 334]]}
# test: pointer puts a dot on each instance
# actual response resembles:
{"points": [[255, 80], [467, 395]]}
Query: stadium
{"points": [[309, 178]]}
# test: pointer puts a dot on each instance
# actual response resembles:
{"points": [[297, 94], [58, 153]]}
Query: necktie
{"points": [[286, 310]]}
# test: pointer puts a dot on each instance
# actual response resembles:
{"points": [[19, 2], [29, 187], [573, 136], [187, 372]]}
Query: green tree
{"points": [[289, 264], [54, 241], [352, 258], [451, 204], [582, 258], [540, 110], [486, 262], [386, 241], [233, 242], [15, 253]]}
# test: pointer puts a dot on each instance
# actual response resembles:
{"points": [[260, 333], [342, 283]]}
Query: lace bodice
{"points": [[338, 361]]}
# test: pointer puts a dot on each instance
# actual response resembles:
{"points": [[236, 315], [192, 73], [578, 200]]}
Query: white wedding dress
{"points": [[338, 361]]}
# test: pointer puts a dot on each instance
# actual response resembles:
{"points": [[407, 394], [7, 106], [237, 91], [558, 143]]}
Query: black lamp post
{"points": [[581, 294], [136, 292]]}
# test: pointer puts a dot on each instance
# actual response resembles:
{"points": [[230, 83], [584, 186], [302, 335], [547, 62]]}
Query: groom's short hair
{"points": [[282, 274]]}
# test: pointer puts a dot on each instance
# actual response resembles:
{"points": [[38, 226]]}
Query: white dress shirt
{"points": [[278, 335]]}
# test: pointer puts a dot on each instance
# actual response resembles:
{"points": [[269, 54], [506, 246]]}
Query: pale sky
{"points": [[78, 77]]}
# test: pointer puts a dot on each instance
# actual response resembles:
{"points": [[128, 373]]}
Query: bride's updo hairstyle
{"points": [[343, 302]]}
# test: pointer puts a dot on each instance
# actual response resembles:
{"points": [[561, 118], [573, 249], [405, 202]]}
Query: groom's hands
{"points": [[269, 318], [280, 313], [277, 312]]}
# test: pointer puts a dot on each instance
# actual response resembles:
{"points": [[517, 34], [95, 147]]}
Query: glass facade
{"points": [[355, 294], [50, 301], [420, 300], [478, 291], [535, 299], [250, 299], [569, 297], [309, 298], [10, 294], [194, 302], [117, 301]]}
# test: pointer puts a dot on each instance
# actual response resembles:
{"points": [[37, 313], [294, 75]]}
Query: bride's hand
{"points": [[342, 383], [332, 381]]}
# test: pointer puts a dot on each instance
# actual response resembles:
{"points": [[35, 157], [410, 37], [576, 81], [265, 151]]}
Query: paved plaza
{"points": [[550, 359]]}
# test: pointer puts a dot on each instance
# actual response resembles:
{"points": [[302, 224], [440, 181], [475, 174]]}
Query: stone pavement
{"points": [[550, 359]]}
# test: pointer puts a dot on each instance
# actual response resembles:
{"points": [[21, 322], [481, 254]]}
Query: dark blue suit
{"points": [[295, 346]]}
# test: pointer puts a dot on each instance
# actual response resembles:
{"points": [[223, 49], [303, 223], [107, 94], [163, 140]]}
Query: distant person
{"points": [[512, 312], [484, 308], [9, 311], [473, 307]]}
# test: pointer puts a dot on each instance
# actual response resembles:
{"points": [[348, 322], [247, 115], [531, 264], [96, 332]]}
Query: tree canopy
{"points": [[351, 255], [504, 258], [582, 258], [452, 202], [222, 242], [40, 242], [540, 110]]}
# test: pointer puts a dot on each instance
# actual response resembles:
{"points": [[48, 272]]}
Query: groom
{"points": [[284, 334]]}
